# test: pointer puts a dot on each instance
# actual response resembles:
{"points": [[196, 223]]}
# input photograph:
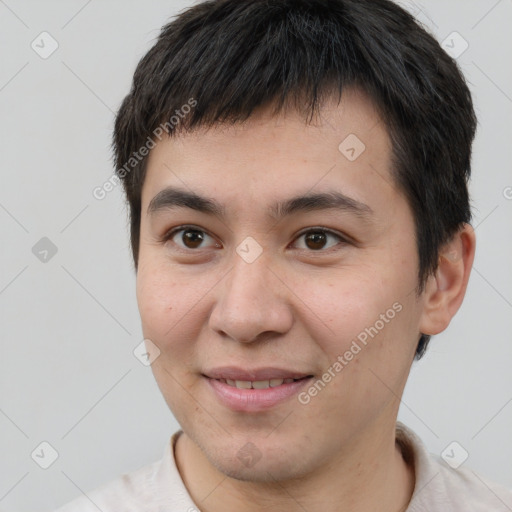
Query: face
{"points": [[237, 292]]}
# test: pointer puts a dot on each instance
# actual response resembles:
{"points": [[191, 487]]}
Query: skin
{"points": [[294, 307]]}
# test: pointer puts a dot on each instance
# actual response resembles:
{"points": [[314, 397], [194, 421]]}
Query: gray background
{"points": [[69, 325]]}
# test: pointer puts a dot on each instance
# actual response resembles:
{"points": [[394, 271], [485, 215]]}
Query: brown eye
{"points": [[315, 240], [318, 239], [190, 238]]}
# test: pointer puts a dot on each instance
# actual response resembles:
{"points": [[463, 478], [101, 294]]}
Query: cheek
{"points": [[168, 303], [344, 302], [367, 321], [369, 347], [154, 299]]}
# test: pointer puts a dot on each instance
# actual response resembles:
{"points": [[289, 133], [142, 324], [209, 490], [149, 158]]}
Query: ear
{"points": [[445, 290]]}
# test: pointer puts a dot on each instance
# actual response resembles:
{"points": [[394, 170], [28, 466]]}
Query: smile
{"points": [[257, 384], [254, 391]]}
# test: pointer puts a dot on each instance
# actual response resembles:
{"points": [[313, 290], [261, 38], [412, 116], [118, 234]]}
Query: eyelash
{"points": [[172, 232]]}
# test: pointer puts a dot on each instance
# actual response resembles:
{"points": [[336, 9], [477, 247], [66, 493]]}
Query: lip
{"points": [[267, 373], [254, 400]]}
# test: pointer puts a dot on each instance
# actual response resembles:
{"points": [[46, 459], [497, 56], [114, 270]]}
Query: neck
{"points": [[371, 475]]}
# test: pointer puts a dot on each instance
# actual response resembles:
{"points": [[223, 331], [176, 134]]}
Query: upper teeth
{"points": [[256, 384]]}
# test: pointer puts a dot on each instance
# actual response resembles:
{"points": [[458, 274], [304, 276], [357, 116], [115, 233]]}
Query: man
{"points": [[297, 174]]}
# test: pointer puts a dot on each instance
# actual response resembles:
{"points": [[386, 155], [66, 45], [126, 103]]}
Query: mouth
{"points": [[254, 390], [259, 384], [263, 374]]}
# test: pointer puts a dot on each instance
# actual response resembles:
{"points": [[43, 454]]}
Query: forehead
{"points": [[345, 148]]}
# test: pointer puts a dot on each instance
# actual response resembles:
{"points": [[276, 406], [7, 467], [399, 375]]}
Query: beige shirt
{"points": [[158, 487]]}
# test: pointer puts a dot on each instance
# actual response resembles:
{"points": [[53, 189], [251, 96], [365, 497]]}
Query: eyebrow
{"points": [[171, 197]]}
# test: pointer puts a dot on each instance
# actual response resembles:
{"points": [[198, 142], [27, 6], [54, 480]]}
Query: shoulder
{"points": [[442, 488], [126, 492], [141, 489]]}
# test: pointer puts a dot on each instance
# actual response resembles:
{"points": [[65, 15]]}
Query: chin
{"points": [[251, 464], [260, 473]]}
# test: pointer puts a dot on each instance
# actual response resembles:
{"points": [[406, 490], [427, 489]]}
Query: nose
{"points": [[252, 303]]}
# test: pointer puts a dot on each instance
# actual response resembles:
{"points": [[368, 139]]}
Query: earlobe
{"points": [[445, 290]]}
